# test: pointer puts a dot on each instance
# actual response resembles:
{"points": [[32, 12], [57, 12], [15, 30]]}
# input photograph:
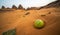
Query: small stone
{"points": [[43, 15], [27, 13]]}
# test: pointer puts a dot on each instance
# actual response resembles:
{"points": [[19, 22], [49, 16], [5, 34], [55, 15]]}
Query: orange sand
{"points": [[24, 23]]}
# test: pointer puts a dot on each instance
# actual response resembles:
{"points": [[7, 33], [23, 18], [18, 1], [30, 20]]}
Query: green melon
{"points": [[38, 23]]}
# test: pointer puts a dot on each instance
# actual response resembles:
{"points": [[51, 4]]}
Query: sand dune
{"points": [[24, 23]]}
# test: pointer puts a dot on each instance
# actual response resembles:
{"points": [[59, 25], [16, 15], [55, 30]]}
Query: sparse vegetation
{"points": [[10, 32]]}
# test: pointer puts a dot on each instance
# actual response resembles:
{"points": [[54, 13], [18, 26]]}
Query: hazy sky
{"points": [[25, 3]]}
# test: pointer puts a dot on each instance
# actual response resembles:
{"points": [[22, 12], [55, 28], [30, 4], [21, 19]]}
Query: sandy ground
{"points": [[24, 23]]}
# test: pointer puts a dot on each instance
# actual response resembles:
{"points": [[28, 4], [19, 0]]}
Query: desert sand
{"points": [[23, 22]]}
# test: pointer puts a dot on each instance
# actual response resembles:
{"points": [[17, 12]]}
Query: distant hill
{"points": [[53, 4]]}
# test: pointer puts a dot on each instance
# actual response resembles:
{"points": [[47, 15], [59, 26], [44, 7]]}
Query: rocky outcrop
{"points": [[3, 7], [33, 8], [14, 7], [20, 7], [53, 4]]}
